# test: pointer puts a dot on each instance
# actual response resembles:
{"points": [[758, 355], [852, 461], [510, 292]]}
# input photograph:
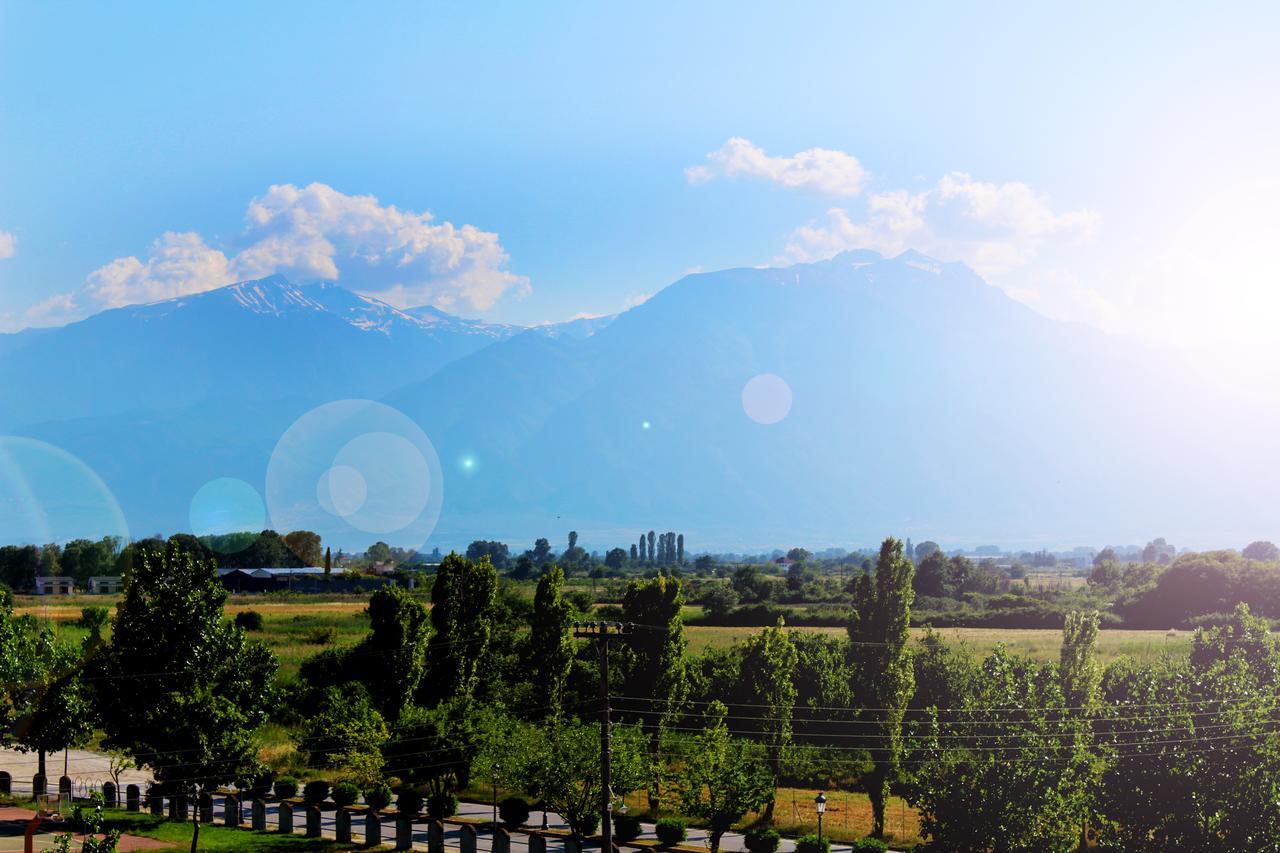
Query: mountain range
{"points": [[923, 402]]}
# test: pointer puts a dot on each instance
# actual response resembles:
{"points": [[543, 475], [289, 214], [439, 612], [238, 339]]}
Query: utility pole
{"points": [[600, 632]]}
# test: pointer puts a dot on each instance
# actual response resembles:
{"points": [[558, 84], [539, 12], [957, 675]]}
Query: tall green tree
{"points": [[652, 554], [463, 604], [391, 660], [181, 689], [655, 666], [305, 545], [680, 549], [551, 647], [723, 779], [54, 708], [884, 679], [769, 662]]}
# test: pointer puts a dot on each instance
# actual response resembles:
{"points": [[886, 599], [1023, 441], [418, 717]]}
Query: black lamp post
{"points": [[497, 768], [820, 804]]}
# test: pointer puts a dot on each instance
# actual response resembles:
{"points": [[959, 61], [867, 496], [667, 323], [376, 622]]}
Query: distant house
{"points": [[265, 579], [105, 584], [55, 585]]}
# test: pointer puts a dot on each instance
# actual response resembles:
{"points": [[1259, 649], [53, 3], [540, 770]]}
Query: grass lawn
{"points": [[214, 838]]}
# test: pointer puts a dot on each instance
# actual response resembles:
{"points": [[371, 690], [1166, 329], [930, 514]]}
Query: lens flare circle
{"points": [[227, 505], [49, 495], [766, 398], [354, 468]]}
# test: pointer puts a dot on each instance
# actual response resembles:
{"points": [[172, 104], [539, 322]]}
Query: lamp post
{"points": [[497, 768], [820, 805]]}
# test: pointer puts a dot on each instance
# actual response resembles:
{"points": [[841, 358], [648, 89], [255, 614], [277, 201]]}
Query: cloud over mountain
{"points": [[821, 169], [406, 258]]}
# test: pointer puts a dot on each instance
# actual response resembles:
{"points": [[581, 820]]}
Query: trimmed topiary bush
{"points": [[440, 806], [409, 801], [763, 840], [378, 797], [589, 823], [514, 812], [626, 827], [315, 792], [286, 787], [345, 794], [671, 831], [870, 845], [249, 620], [813, 844]]}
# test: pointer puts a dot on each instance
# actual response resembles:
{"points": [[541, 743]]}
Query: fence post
{"points": [[313, 822], [110, 794], [572, 845], [205, 804], [501, 841], [132, 798], [231, 809], [342, 822], [286, 817], [372, 828], [156, 800], [259, 816], [404, 831], [468, 839], [537, 843], [435, 837]]}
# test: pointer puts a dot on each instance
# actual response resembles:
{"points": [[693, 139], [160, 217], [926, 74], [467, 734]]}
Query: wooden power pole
{"points": [[600, 633]]}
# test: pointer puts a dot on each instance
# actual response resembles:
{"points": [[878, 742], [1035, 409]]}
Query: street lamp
{"points": [[497, 768], [820, 805]]}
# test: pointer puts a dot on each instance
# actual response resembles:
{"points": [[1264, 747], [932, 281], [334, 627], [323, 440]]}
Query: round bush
{"points": [[286, 787], [409, 801], [589, 823], [440, 806], [345, 794], [869, 845], [626, 827], [671, 831], [315, 792], [813, 844], [514, 811], [258, 786], [249, 620], [763, 840], [378, 797]]}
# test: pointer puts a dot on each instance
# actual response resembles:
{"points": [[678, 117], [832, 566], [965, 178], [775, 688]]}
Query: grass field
{"points": [[1041, 643]]}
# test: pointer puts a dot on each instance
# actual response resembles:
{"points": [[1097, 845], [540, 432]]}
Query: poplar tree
{"points": [[651, 537], [883, 680], [769, 661], [655, 664], [551, 648], [680, 549], [463, 606]]}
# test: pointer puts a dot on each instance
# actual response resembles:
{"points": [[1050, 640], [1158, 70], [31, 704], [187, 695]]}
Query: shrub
{"points": [[589, 823], [409, 801], [378, 797], [259, 785], [286, 787], [345, 794], [315, 792], [323, 636], [763, 840], [94, 619], [440, 806], [249, 620], [671, 831], [813, 844], [869, 845], [514, 811], [627, 827]]}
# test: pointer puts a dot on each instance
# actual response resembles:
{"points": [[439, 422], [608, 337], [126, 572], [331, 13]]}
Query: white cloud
{"points": [[994, 228], [8, 245], [635, 300], [821, 169], [311, 232]]}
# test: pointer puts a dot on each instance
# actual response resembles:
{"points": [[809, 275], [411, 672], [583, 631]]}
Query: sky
{"points": [[1112, 164]]}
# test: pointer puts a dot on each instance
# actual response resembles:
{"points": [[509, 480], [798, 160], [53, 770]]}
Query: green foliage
{"points": [[442, 804], [514, 811], [626, 827], [53, 706], [671, 831], [286, 787], [813, 844], [436, 747], [884, 680], [345, 794], [550, 647], [463, 600], [868, 845], [315, 792], [559, 763], [762, 840], [182, 690], [409, 801], [390, 661], [1078, 667], [249, 620], [769, 662], [377, 797], [723, 779]]}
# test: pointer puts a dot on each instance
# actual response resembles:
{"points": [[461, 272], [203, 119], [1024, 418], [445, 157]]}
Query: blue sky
{"points": [[1108, 163]]}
